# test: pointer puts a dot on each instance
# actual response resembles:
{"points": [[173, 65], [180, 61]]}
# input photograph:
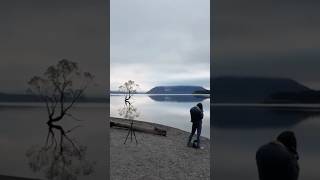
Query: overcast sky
{"points": [[35, 34], [277, 38], [160, 42]]}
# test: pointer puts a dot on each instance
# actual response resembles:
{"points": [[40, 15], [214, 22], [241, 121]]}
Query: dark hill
{"points": [[5, 97], [176, 90], [252, 89]]}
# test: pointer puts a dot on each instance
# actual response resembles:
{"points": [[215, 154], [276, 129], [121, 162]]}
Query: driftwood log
{"points": [[155, 130]]}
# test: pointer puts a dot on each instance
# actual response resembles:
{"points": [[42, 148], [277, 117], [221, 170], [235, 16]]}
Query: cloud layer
{"points": [[35, 34], [160, 42], [267, 38]]}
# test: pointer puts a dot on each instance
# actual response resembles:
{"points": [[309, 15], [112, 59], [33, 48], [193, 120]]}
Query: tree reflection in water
{"points": [[129, 112], [61, 158]]}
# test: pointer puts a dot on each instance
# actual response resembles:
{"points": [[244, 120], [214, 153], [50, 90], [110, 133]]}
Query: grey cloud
{"points": [[36, 34], [158, 42], [266, 25], [267, 38]]}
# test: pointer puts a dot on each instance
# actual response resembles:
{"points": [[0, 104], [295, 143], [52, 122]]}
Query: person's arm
{"points": [[293, 169], [200, 114]]}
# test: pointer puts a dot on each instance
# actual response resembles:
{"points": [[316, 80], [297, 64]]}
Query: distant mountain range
{"points": [[178, 98], [225, 90], [178, 90], [119, 92], [172, 90], [262, 90], [6, 97]]}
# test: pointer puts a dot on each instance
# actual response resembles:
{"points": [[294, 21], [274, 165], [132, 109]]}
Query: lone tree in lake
{"points": [[129, 88], [60, 87]]}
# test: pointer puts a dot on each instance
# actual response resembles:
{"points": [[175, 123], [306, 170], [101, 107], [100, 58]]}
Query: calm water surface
{"points": [[24, 129], [170, 110], [238, 132]]}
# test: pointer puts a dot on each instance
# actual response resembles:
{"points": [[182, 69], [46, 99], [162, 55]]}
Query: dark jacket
{"points": [[276, 162], [196, 114]]}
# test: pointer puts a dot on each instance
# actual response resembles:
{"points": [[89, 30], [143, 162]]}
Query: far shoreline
{"points": [[112, 94], [270, 105]]}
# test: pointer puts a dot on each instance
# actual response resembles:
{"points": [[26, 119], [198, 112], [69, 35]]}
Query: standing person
{"points": [[196, 114], [278, 160]]}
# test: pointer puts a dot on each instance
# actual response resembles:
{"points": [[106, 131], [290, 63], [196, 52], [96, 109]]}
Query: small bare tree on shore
{"points": [[60, 87], [129, 88]]}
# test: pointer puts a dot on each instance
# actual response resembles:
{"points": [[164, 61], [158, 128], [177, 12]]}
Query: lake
{"points": [[170, 110], [23, 134], [25, 151], [238, 131]]}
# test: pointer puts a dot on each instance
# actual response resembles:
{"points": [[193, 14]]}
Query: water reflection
{"points": [[247, 128], [128, 111], [179, 98], [61, 157], [259, 117], [173, 114]]}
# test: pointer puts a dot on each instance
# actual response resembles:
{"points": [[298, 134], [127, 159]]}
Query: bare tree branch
{"points": [[61, 86]]}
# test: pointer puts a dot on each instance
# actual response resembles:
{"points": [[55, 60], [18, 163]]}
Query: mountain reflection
{"points": [[179, 98], [61, 158], [258, 117]]}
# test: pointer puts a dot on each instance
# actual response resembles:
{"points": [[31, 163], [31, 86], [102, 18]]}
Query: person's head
{"points": [[200, 106], [288, 139]]}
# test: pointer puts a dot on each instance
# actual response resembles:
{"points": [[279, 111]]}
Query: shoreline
{"points": [[151, 124], [157, 157], [6, 177]]}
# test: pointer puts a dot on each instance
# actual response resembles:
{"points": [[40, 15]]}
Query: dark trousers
{"points": [[196, 126]]}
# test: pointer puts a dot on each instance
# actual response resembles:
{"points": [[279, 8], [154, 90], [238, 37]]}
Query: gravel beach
{"points": [[157, 157]]}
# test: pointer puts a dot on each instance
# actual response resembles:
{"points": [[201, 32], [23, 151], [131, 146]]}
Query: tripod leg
{"points": [[127, 137], [135, 137], [131, 129]]}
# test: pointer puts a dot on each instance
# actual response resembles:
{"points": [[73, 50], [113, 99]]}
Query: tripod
{"points": [[131, 131]]}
